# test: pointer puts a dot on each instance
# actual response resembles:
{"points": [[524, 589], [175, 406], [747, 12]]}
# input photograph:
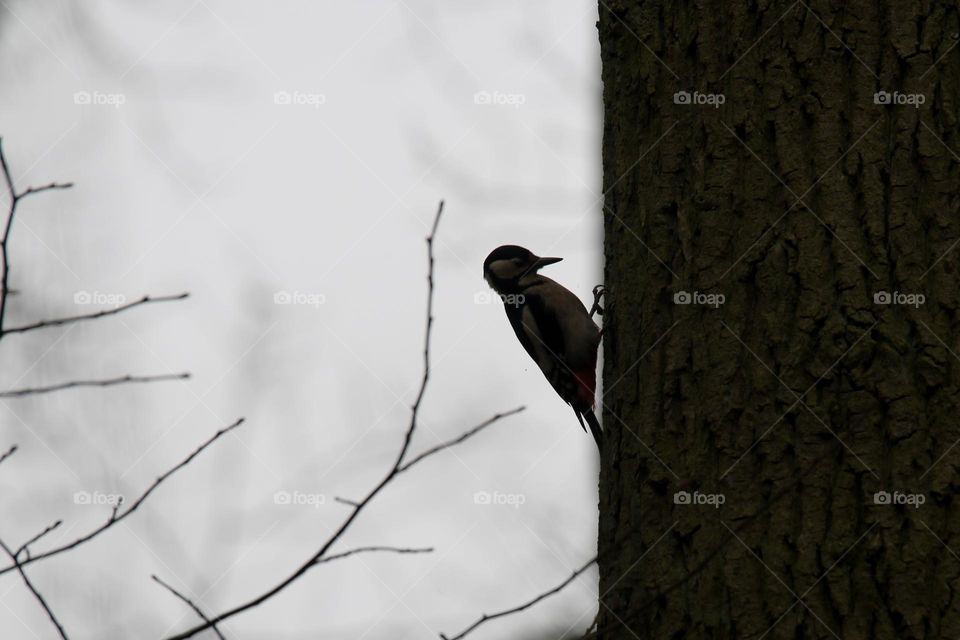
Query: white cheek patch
{"points": [[503, 269]]}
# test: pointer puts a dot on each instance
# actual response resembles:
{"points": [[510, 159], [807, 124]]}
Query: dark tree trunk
{"points": [[800, 199]]}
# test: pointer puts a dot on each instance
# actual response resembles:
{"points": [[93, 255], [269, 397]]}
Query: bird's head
{"points": [[507, 266]]}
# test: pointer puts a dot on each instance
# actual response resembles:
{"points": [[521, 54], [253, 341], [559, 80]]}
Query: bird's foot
{"points": [[598, 292]]}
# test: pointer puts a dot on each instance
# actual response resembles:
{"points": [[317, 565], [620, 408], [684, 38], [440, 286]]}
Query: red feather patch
{"points": [[586, 386]]}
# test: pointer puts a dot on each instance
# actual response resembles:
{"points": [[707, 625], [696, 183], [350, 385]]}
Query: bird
{"points": [[553, 326]]}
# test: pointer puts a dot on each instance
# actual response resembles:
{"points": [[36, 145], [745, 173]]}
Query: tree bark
{"points": [[803, 197]]}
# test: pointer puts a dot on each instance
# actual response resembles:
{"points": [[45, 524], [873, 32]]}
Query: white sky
{"points": [[201, 182]]}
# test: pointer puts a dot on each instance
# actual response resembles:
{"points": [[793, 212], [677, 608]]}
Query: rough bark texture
{"points": [[705, 399]]}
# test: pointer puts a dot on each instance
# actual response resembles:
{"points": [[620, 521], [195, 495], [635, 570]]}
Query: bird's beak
{"points": [[543, 262]]}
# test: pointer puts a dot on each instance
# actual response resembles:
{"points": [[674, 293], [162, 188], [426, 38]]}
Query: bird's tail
{"points": [[595, 429]]}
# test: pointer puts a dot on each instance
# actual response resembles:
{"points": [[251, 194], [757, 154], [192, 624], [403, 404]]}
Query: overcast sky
{"points": [[282, 162]]}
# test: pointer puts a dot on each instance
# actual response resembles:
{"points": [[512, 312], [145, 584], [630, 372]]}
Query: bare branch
{"points": [[6, 173], [398, 467], [9, 452], [47, 187], [506, 612], [426, 342], [190, 603], [26, 545], [93, 316], [464, 436], [401, 550], [118, 515], [127, 379], [352, 503], [34, 591], [15, 199]]}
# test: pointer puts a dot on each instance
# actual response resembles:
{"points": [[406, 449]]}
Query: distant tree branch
{"points": [[15, 199], [469, 433], [347, 554], [9, 452], [23, 556], [120, 512], [93, 316], [34, 591], [398, 467], [109, 382], [426, 342], [190, 603], [506, 612], [25, 547]]}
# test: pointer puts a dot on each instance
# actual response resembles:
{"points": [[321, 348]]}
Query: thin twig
{"points": [[47, 187], [190, 603], [26, 545], [56, 322], [401, 550], [15, 199], [346, 501], [117, 515], [506, 612], [9, 452], [426, 342], [19, 393], [396, 469], [464, 436], [35, 592]]}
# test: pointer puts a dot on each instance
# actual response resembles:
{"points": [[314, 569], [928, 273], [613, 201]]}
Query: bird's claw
{"points": [[598, 292]]}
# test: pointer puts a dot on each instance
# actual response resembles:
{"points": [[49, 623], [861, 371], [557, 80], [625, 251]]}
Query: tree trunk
{"points": [[781, 374]]}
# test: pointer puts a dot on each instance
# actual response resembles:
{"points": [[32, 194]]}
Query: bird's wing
{"points": [[556, 331], [573, 328], [536, 331]]}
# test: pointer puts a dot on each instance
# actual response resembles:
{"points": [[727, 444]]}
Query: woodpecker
{"points": [[553, 326]]}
